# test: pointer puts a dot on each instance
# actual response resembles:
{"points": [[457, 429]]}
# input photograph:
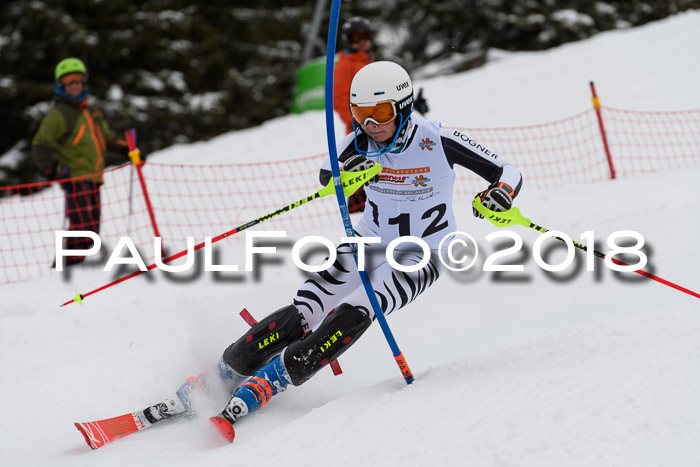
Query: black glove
{"points": [[497, 197], [358, 163], [122, 150], [46, 175], [49, 174], [119, 152], [420, 104]]}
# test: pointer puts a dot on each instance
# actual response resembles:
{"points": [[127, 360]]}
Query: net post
{"points": [[596, 106]]}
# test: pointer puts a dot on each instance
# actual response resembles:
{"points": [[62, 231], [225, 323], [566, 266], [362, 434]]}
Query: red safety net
{"points": [[571, 151], [564, 152], [208, 200], [646, 142], [188, 201]]}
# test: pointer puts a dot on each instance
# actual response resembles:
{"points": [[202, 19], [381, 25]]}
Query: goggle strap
{"points": [[381, 152]]}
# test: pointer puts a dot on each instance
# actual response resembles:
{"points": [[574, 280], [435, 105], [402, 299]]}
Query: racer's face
{"points": [[363, 45], [380, 133], [73, 84], [361, 40]]}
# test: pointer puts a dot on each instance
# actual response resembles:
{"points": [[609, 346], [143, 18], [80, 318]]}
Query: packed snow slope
{"points": [[519, 369]]}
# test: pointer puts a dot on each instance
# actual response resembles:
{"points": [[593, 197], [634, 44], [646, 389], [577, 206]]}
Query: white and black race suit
{"points": [[413, 197]]}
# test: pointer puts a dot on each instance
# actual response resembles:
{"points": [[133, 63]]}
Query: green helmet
{"points": [[70, 65]]}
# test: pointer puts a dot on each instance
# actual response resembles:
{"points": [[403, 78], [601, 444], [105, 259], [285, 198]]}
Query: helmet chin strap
{"points": [[399, 131]]}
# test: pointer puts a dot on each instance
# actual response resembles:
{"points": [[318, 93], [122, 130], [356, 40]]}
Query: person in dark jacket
{"points": [[71, 146]]}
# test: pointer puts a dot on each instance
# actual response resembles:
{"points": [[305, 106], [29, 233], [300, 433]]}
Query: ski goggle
{"points": [[72, 78], [381, 113], [362, 35]]}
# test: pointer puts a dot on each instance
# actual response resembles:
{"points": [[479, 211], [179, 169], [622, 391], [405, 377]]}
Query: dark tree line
{"points": [[184, 71]]}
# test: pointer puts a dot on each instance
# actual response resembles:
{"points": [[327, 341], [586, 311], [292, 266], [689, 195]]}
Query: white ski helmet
{"points": [[379, 82]]}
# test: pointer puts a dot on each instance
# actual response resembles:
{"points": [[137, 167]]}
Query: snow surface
{"points": [[513, 369]]}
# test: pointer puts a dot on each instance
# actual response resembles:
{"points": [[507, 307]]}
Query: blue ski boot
{"points": [[252, 396]]}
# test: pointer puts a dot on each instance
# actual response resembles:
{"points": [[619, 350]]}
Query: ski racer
{"points": [[331, 310]]}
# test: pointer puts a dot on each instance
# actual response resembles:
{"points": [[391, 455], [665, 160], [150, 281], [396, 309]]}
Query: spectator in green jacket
{"points": [[76, 132]]}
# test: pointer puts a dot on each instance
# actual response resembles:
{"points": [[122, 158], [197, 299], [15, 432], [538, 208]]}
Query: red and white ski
{"points": [[101, 432]]}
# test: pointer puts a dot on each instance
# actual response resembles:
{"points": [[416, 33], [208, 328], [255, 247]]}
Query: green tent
{"points": [[310, 89]]}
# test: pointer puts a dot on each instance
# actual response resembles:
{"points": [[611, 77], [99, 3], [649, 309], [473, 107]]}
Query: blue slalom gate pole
{"points": [[335, 169]]}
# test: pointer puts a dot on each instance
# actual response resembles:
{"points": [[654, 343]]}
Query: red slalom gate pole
{"points": [[135, 156], [596, 105]]}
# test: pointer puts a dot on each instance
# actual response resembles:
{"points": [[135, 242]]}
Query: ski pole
{"points": [[351, 182], [335, 169], [514, 217]]}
